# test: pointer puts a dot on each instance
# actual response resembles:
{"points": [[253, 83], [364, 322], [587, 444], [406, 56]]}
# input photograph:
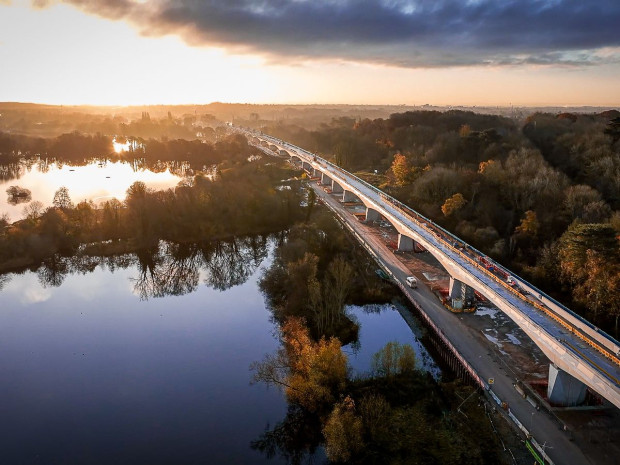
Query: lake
{"points": [[146, 359], [96, 181]]}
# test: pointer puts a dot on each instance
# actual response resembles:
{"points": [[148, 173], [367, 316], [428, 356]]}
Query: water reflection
{"points": [[168, 269], [296, 439], [95, 179], [18, 195], [4, 279], [91, 374], [12, 171]]}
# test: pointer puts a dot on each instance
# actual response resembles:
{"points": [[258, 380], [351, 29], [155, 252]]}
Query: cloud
{"points": [[408, 33]]}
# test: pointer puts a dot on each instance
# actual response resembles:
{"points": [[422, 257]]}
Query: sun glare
{"points": [[120, 146]]}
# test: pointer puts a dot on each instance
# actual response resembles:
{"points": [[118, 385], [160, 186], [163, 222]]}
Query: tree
{"points": [[313, 374], [343, 432], [62, 199], [577, 197], [311, 203], [33, 210], [394, 359], [136, 201], [453, 204], [529, 224], [600, 290], [337, 286], [589, 256], [400, 169], [465, 130], [18, 195]]}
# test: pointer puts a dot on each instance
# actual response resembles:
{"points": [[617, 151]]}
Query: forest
{"points": [[541, 196], [240, 199], [317, 268]]}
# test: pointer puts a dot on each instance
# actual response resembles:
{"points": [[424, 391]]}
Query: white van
{"points": [[412, 282]]}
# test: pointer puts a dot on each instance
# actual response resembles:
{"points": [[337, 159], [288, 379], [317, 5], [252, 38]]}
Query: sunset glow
{"points": [[75, 56]]}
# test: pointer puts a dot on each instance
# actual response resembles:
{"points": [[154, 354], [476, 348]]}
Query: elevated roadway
{"points": [[573, 345]]}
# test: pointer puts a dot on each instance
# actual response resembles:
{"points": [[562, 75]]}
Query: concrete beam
{"points": [[348, 196], [459, 291], [405, 243], [336, 188], [325, 180], [372, 215], [563, 389]]}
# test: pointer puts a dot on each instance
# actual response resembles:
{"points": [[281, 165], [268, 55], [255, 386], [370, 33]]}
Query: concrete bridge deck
{"points": [[573, 345]]}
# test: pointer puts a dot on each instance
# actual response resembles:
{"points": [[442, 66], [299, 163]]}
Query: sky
{"points": [[413, 52]]}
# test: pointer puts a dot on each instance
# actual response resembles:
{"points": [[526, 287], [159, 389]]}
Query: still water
{"points": [[96, 181], [113, 366]]}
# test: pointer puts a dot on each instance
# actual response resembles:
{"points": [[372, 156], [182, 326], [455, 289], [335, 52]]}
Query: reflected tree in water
{"points": [[11, 171], [54, 271], [169, 269], [295, 438], [4, 280], [231, 263], [175, 269]]}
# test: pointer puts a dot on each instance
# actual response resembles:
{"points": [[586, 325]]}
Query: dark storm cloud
{"points": [[418, 33]]}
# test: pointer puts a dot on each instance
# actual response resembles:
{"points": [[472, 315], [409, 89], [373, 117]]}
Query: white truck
{"points": [[412, 282]]}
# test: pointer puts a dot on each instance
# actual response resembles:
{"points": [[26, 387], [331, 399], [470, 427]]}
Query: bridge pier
{"points": [[325, 180], [348, 196], [563, 389], [372, 215], [405, 243], [336, 188], [461, 294], [306, 166]]}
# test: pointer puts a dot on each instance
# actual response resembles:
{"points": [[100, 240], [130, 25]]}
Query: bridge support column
{"points": [[563, 389], [348, 196], [306, 166], [325, 180], [315, 173], [461, 294], [372, 215], [405, 243], [336, 188]]}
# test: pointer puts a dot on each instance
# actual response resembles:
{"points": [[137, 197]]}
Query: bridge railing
{"points": [[608, 347]]}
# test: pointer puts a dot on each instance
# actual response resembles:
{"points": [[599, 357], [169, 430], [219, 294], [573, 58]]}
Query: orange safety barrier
{"points": [[602, 349]]}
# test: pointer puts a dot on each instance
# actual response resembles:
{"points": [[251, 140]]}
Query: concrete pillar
{"points": [[405, 243], [315, 173], [336, 188], [372, 215], [325, 180], [459, 291], [348, 196], [563, 389]]}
